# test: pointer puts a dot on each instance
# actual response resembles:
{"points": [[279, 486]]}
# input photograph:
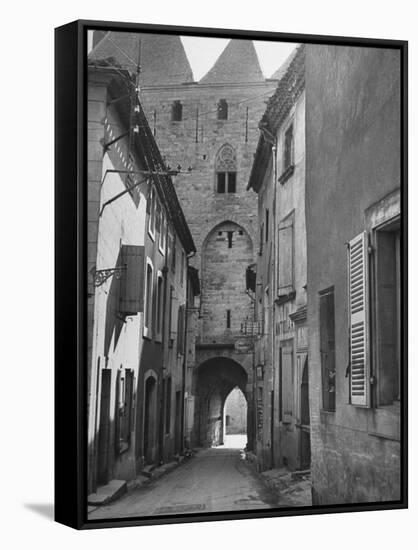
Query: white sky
{"points": [[203, 52]]}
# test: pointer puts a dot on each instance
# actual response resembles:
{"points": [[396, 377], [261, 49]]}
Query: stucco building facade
{"points": [[139, 288], [353, 250], [278, 177]]}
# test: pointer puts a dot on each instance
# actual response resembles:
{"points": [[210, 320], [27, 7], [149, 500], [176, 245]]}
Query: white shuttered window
{"points": [[359, 321]]}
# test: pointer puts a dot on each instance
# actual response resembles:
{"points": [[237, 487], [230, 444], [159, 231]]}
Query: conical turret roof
{"points": [[163, 58], [237, 63], [281, 71]]}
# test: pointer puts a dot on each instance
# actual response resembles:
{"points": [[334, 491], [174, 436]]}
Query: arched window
{"points": [[226, 170], [176, 111], [222, 110]]}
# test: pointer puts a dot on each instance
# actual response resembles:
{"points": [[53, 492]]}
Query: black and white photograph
{"points": [[245, 267]]}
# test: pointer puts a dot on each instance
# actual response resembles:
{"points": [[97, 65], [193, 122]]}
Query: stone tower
{"points": [[212, 126]]}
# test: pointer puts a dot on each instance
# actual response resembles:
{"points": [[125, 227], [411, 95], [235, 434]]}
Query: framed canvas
{"points": [[231, 298]]}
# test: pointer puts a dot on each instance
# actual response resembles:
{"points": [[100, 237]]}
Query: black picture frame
{"points": [[71, 273]]}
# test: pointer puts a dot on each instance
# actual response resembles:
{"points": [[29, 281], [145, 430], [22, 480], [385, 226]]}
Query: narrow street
{"points": [[215, 480]]}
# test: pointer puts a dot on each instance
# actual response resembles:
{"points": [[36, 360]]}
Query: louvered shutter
{"points": [[359, 323], [285, 267]]}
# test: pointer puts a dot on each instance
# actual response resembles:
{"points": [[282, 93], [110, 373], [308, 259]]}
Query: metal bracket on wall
{"points": [[102, 275]]}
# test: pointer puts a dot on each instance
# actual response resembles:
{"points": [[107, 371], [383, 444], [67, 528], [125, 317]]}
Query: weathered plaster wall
{"points": [[353, 160]]}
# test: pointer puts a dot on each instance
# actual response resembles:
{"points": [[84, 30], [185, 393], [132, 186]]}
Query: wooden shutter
{"points": [[285, 267], [173, 314], [287, 384], [132, 280], [359, 322], [180, 330]]}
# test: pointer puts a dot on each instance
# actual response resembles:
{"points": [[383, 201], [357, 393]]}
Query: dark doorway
{"points": [[150, 419], [305, 432], [103, 448]]}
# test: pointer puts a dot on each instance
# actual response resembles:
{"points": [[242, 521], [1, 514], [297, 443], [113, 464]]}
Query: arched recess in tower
{"points": [[226, 252], [214, 380]]}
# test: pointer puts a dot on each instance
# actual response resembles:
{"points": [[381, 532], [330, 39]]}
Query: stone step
{"points": [[107, 493]]}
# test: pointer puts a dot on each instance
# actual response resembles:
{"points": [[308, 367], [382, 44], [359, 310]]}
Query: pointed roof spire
{"points": [[162, 56], [281, 71], [237, 63]]}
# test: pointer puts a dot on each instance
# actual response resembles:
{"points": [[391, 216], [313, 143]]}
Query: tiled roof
{"points": [[163, 58], [237, 63]]}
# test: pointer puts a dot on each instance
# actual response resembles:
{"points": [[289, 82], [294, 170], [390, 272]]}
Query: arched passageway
{"points": [[235, 419], [214, 381]]}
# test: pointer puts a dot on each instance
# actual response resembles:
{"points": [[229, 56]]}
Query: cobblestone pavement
{"points": [[215, 480]]}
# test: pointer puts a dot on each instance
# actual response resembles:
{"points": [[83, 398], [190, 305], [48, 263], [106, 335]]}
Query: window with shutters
{"points": [[151, 208], [285, 268], [159, 306], [358, 302], [387, 308], [226, 170], [327, 347], [148, 299], [162, 236], [124, 402]]}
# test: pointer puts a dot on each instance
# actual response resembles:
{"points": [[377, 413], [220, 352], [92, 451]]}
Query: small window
{"points": [[228, 318], [230, 235], [221, 178], [232, 182], [327, 347], [176, 111], [222, 110], [288, 148]]}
